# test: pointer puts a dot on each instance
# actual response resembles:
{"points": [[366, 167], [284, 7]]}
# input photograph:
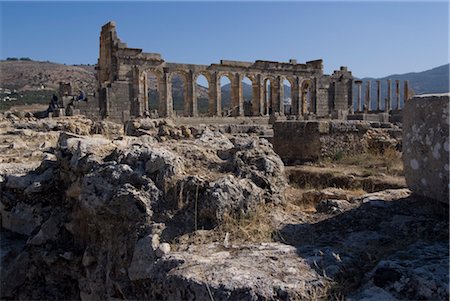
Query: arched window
{"points": [[247, 94], [202, 90], [225, 92]]}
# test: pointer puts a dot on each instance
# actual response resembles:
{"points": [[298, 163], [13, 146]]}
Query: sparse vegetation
{"points": [[27, 98], [388, 162]]}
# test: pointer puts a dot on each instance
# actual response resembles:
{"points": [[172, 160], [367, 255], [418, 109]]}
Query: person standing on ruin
{"points": [[81, 96]]}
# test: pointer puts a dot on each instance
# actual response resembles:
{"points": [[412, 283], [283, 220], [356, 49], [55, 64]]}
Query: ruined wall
{"points": [[426, 145], [300, 141], [123, 68]]}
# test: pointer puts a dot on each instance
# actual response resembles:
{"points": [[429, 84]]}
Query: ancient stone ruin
{"points": [[123, 85], [426, 145]]}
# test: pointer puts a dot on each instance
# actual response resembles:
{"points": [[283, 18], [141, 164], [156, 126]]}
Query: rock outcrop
{"points": [[100, 216]]}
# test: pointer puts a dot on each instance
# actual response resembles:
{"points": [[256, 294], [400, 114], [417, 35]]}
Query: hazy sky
{"points": [[371, 38]]}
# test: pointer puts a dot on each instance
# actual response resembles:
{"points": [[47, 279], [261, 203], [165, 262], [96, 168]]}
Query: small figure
{"points": [[53, 104], [81, 96]]}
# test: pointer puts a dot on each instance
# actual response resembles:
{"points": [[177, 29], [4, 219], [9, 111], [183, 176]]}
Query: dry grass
{"points": [[295, 196], [254, 227], [388, 162]]}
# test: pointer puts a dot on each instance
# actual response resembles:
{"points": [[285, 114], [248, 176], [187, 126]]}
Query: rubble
{"points": [[139, 217]]}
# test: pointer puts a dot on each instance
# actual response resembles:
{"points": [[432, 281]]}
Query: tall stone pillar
{"points": [[165, 97], [240, 97], [267, 99], [234, 95], [378, 95], [303, 97], [397, 93], [368, 98], [257, 93], [358, 104], [387, 105], [273, 101], [296, 97], [281, 95], [405, 92], [190, 101], [215, 97]]}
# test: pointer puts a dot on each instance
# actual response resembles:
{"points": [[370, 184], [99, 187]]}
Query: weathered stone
{"points": [[124, 85], [22, 219], [163, 249], [48, 231], [229, 196], [333, 206], [299, 141], [144, 257], [267, 271], [426, 145]]}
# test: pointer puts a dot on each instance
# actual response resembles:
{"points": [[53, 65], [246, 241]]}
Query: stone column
{"points": [[405, 92], [368, 98], [281, 95], [273, 104], [378, 95], [165, 97], [387, 105], [262, 99], [303, 100], [256, 93], [215, 97], [358, 106], [240, 97], [296, 97], [397, 93], [193, 91], [314, 93], [145, 92], [234, 85], [188, 97], [266, 98]]}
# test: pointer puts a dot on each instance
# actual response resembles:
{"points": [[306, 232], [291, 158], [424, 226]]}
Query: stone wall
{"points": [[312, 92], [426, 145], [300, 141]]}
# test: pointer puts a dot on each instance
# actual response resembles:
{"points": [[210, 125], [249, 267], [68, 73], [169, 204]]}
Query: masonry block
{"points": [[426, 145]]}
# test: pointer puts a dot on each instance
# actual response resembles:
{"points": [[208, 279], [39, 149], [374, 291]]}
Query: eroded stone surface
{"points": [[426, 145]]}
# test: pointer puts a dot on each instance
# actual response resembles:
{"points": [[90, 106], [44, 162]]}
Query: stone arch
{"points": [[202, 96], [306, 88], [179, 79], [288, 86], [269, 83], [152, 88], [226, 93], [248, 95]]}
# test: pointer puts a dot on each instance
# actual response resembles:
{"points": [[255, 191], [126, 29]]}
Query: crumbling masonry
{"points": [[123, 86]]}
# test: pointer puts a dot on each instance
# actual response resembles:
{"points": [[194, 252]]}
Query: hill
{"points": [[34, 75]]}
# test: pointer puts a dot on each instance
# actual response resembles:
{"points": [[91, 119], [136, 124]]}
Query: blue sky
{"points": [[371, 38]]}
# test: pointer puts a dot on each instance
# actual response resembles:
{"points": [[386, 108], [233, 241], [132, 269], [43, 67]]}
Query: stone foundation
{"points": [[426, 145], [300, 141]]}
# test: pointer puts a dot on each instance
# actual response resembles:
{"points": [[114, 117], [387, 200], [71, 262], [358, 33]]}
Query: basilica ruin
{"points": [[124, 90]]}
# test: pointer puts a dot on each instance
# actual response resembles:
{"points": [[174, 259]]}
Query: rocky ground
{"points": [[172, 212]]}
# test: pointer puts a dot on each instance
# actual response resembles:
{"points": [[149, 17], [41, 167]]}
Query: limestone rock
{"points": [[163, 249], [229, 196], [426, 145], [267, 271], [22, 219], [256, 160], [143, 260], [333, 206], [417, 273]]}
